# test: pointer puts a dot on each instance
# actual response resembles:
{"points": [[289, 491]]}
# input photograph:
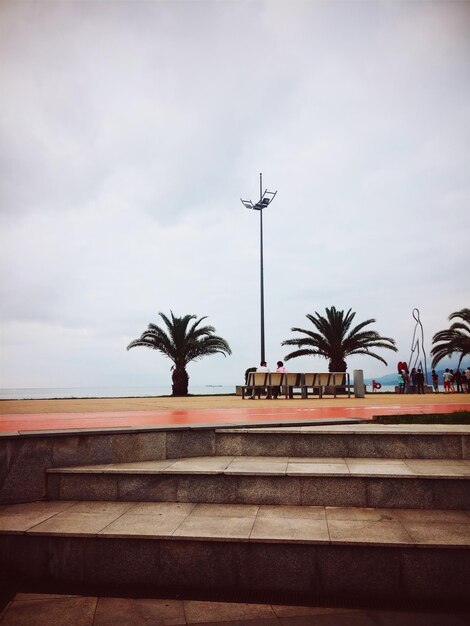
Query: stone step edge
{"points": [[394, 513], [114, 469], [366, 429]]}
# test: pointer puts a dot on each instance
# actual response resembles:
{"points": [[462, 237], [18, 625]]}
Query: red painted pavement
{"points": [[124, 419]]}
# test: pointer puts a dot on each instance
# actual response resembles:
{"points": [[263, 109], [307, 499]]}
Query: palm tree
{"points": [[184, 342], [333, 339], [455, 339]]}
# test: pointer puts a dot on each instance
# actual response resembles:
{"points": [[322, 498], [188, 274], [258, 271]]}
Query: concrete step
{"points": [[327, 555], [41, 608], [406, 441], [27, 457], [299, 481]]}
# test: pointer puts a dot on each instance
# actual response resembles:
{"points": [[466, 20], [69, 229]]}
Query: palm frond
{"points": [[334, 338]]}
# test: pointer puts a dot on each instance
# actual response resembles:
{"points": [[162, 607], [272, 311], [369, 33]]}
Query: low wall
{"points": [[25, 458]]}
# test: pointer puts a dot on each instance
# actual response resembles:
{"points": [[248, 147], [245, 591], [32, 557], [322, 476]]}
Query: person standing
{"points": [[401, 383], [451, 382], [419, 381], [458, 381], [435, 381], [467, 376], [465, 383], [446, 378]]}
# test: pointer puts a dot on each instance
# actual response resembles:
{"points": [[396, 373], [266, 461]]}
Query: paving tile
{"points": [[78, 611], [144, 525], [439, 534], [297, 512], [292, 611], [437, 468], [24, 597], [142, 467], [200, 465], [139, 612], [373, 461], [260, 459], [358, 514], [311, 469], [225, 510], [395, 618], [289, 529], [80, 469], [201, 612], [252, 468], [422, 516], [96, 508], [316, 459], [379, 469], [53, 507], [262, 621], [162, 508], [78, 525], [339, 618], [215, 528], [366, 532], [18, 518]]}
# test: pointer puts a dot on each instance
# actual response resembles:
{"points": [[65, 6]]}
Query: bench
{"points": [[318, 384]]}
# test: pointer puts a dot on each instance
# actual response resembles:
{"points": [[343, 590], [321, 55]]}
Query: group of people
{"points": [[411, 381], [455, 381], [451, 381], [263, 367]]}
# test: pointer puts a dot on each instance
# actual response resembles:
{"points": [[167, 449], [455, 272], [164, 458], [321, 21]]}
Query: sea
{"points": [[43, 393]]}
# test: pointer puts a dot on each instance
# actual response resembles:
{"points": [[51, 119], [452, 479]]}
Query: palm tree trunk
{"points": [[180, 380], [337, 366]]}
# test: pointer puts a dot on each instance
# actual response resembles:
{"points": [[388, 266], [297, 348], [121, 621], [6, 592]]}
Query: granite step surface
{"points": [[385, 556], [365, 439], [37, 608], [298, 481]]}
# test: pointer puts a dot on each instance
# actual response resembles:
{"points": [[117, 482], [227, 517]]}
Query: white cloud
{"points": [[131, 129]]}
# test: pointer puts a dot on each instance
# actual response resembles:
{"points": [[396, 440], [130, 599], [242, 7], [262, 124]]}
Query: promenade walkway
{"points": [[432, 526], [98, 413]]}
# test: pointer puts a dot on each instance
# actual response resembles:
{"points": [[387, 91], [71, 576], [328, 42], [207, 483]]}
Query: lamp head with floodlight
{"points": [[266, 199]]}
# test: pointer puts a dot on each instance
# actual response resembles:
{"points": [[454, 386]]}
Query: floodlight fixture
{"points": [[265, 199]]}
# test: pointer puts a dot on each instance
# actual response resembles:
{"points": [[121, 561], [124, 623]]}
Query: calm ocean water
{"points": [[36, 393], [106, 392]]}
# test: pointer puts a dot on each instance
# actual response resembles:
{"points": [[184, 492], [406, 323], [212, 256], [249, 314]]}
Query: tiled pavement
{"points": [[239, 522], [23, 416], [285, 466], [28, 609]]}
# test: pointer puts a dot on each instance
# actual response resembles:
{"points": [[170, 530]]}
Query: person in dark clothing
{"points": [[419, 381], [248, 372]]}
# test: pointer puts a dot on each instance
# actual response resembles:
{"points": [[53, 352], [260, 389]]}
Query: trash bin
{"points": [[359, 387]]}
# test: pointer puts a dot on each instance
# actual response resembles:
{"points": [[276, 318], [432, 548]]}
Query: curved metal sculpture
{"points": [[416, 347]]}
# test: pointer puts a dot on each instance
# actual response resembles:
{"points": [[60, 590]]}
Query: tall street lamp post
{"points": [[265, 198]]}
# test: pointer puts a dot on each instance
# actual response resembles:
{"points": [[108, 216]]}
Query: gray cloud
{"points": [[131, 129]]}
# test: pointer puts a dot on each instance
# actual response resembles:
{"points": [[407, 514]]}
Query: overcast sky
{"points": [[130, 130]]}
